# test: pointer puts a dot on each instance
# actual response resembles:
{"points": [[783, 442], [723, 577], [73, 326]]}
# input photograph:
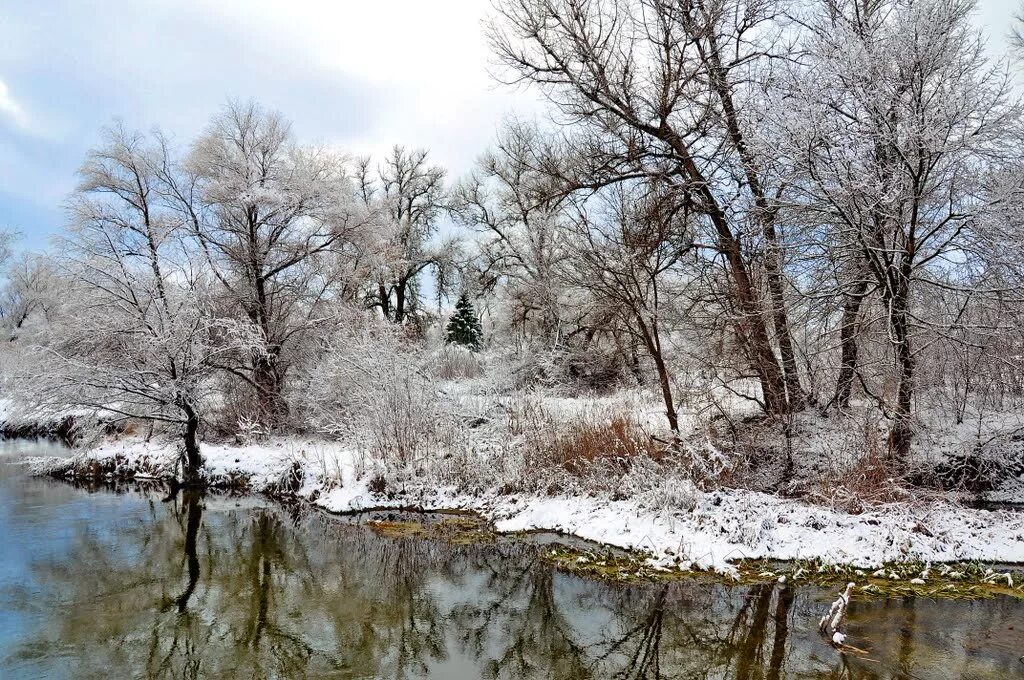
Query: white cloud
{"points": [[429, 61], [12, 110]]}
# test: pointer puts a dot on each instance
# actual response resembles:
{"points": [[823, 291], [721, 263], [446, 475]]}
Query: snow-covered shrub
{"points": [[571, 370], [376, 390], [457, 362], [326, 467], [249, 429]]}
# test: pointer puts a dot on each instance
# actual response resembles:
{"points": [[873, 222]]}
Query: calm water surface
{"points": [[99, 584]]}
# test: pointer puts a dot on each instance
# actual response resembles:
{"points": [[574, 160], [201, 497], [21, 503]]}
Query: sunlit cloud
{"points": [[12, 110]]}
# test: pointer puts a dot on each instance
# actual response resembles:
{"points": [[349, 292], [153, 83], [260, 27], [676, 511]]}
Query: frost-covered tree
{"points": [[263, 209], [375, 388], [31, 289], [464, 327], [901, 130], [140, 342], [511, 203], [670, 90], [406, 198]]}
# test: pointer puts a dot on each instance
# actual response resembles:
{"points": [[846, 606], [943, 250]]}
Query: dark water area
{"points": [[105, 584]]}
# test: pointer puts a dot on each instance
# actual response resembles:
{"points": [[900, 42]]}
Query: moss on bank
{"points": [[457, 528], [119, 469]]}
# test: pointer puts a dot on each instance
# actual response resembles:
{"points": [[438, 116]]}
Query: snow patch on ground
{"points": [[723, 526]]}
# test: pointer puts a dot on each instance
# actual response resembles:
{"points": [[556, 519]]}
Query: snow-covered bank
{"points": [[22, 420], [717, 529]]}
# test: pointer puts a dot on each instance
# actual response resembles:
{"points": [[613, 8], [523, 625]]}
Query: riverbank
{"points": [[97, 577], [720, 530]]}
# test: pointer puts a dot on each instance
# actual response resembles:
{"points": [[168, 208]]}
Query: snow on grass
{"points": [[721, 527]]}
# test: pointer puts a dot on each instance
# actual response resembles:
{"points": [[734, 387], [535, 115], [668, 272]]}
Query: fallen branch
{"points": [[833, 624]]}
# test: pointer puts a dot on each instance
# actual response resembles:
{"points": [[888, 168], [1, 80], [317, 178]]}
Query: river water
{"points": [[119, 583]]}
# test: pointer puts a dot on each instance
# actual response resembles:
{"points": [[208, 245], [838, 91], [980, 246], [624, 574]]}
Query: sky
{"points": [[361, 75]]}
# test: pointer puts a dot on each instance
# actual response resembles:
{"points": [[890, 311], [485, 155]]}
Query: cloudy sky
{"points": [[360, 74]]}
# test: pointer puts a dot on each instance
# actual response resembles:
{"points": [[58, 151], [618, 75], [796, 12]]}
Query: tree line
{"points": [[804, 205]]}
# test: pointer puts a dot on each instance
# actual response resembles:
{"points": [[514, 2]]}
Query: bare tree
{"points": [[1016, 36], [406, 197], [902, 125], [31, 289], [511, 202], [627, 258], [139, 343], [669, 89]]}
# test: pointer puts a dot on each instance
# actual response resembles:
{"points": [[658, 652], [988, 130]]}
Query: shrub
{"points": [[376, 391], [455, 362], [571, 370], [580, 443]]}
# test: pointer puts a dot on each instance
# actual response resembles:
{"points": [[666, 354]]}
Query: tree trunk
{"points": [[652, 340], [400, 301], [849, 344], [385, 301], [901, 432], [266, 371], [795, 397], [753, 334], [751, 328], [273, 409], [634, 361], [193, 460], [765, 215]]}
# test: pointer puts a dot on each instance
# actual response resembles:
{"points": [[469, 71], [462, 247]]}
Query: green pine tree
{"points": [[464, 327]]}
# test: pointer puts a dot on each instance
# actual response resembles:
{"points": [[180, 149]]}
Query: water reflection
{"points": [[213, 587]]}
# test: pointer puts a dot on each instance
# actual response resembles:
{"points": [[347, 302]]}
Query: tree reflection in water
{"points": [[199, 588]]}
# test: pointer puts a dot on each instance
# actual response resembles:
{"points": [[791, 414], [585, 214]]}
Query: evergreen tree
{"points": [[464, 326]]}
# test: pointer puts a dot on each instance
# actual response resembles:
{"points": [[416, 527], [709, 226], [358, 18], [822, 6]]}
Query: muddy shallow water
{"points": [[117, 585]]}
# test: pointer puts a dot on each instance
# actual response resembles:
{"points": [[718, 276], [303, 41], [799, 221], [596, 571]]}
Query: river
{"points": [[121, 583]]}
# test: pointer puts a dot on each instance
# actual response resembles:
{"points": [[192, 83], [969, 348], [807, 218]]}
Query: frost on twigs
{"points": [[833, 624]]}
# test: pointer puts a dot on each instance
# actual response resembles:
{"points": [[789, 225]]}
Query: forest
{"points": [[756, 259]]}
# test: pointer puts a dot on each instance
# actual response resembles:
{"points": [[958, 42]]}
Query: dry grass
{"points": [[578, 445], [870, 480], [583, 445]]}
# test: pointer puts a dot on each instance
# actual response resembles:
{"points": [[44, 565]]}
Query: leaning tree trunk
{"points": [[753, 332], [652, 340], [192, 459], [794, 398], [751, 328]]}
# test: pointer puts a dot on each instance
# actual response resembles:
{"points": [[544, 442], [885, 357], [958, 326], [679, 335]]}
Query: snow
{"points": [[723, 525], [15, 413]]}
